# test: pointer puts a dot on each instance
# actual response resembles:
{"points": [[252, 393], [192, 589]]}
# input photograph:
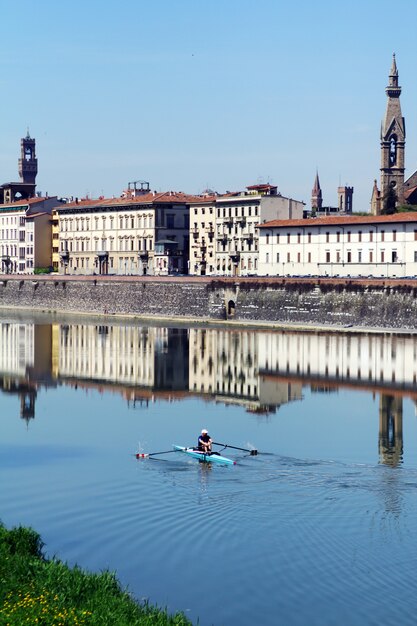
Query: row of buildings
{"points": [[256, 232], [253, 232]]}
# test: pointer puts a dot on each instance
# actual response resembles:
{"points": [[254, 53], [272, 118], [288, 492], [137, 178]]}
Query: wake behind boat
{"points": [[205, 457]]}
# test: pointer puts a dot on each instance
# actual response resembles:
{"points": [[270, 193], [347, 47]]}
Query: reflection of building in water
{"points": [[17, 348], [171, 359], [131, 355], [390, 429], [368, 360], [25, 362], [225, 364], [379, 363]]}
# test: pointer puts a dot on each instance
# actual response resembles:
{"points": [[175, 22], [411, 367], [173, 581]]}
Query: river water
{"points": [[319, 528]]}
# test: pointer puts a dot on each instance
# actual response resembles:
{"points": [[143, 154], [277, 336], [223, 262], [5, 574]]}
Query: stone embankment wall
{"points": [[319, 302]]}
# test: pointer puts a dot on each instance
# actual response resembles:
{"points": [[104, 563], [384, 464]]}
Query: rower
{"points": [[204, 441]]}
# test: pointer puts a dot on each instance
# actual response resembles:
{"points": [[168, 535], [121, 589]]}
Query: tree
{"points": [[389, 202]]}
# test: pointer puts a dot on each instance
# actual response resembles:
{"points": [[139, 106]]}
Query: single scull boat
{"points": [[204, 456]]}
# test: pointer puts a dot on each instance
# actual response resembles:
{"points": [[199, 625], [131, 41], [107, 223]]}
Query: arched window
{"points": [[393, 150]]}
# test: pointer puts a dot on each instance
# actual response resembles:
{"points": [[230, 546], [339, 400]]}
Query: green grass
{"points": [[37, 591]]}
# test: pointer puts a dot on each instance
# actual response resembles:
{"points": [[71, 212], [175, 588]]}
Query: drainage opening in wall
{"points": [[231, 308]]}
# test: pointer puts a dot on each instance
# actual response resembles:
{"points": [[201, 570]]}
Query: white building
{"points": [[379, 246], [223, 229], [25, 235]]}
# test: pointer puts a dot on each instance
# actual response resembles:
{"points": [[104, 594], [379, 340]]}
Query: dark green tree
{"points": [[389, 202]]}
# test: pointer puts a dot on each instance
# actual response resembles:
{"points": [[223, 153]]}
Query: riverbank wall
{"points": [[270, 301]]}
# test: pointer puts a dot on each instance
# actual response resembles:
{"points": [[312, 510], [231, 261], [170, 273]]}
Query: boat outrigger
{"points": [[195, 453]]}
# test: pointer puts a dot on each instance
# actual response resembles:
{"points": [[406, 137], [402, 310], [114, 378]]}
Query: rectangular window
{"points": [[394, 235], [415, 256], [267, 239], [288, 237], [337, 256], [327, 237], [382, 235], [338, 237], [309, 237], [359, 256], [360, 235], [371, 235], [267, 257], [288, 257], [299, 257], [349, 256], [278, 238], [298, 238], [327, 256], [277, 257], [371, 256], [348, 235], [309, 257], [415, 235], [394, 257], [382, 256]]}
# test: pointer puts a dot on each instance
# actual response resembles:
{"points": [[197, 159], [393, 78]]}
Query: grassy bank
{"points": [[37, 591]]}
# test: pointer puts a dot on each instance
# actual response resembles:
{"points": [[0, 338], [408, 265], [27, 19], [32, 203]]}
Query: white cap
{"points": [[204, 431]]}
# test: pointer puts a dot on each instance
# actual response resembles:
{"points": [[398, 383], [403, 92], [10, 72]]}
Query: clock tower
{"points": [[28, 163], [392, 144]]}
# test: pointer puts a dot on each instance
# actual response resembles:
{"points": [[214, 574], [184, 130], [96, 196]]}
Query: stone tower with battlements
{"points": [[28, 163]]}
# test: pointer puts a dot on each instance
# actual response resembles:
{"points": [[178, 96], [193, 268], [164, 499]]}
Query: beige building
{"points": [[25, 235], [223, 229], [133, 235]]}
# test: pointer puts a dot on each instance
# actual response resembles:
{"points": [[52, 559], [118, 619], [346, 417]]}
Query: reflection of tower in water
{"points": [[390, 430]]}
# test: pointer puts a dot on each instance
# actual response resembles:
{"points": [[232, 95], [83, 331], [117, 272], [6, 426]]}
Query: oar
{"points": [[139, 455], [226, 445]]}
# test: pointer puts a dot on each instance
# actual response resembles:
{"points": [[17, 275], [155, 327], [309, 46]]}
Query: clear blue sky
{"points": [[188, 94]]}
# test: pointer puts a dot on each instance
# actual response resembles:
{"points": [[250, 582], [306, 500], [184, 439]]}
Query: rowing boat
{"points": [[204, 456]]}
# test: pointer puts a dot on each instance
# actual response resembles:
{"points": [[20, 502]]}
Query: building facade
{"points": [[223, 229], [144, 234], [25, 235], [380, 246]]}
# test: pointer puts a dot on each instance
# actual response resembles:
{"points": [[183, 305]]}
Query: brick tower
{"points": [[316, 194]]}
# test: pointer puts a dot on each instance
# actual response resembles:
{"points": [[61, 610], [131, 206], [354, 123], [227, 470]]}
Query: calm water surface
{"points": [[319, 528]]}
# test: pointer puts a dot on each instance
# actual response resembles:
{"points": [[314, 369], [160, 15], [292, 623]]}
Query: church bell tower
{"points": [[392, 144], [28, 163], [316, 194]]}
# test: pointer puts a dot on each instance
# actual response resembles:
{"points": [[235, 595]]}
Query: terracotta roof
{"points": [[344, 220], [29, 217], [22, 202], [409, 192], [168, 197]]}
